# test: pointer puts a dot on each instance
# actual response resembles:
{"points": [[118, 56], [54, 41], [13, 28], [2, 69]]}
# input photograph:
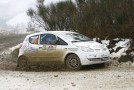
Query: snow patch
{"points": [[125, 44], [96, 39], [116, 39], [106, 42], [121, 52]]}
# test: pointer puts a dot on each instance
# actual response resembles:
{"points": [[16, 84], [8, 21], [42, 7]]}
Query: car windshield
{"points": [[76, 37]]}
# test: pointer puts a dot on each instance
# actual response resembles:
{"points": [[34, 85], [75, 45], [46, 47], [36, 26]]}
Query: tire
{"points": [[73, 62], [23, 63]]}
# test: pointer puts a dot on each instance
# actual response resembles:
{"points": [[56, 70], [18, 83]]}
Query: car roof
{"points": [[51, 32]]}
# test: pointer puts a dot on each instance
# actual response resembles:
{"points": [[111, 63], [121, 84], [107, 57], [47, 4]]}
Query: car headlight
{"points": [[87, 49]]}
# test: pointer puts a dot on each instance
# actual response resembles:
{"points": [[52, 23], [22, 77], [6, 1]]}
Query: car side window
{"points": [[61, 42], [48, 39], [34, 39]]}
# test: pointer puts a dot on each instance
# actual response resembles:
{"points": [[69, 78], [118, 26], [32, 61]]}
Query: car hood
{"points": [[90, 44]]}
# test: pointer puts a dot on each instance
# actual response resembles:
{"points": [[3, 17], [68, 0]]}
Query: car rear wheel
{"points": [[73, 62], [23, 63]]}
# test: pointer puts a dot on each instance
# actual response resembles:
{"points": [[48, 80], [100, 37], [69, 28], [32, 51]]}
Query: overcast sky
{"points": [[13, 12]]}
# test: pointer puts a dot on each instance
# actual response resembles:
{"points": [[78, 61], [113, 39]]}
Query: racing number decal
{"points": [[49, 47]]}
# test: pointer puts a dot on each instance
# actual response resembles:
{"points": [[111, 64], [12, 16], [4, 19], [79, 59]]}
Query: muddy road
{"points": [[55, 77]]}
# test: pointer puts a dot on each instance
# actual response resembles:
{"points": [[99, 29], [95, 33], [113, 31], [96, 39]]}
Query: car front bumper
{"points": [[88, 58]]}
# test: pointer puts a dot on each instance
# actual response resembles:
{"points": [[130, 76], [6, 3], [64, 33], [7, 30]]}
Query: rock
{"points": [[65, 89], [55, 75], [73, 84], [118, 76]]}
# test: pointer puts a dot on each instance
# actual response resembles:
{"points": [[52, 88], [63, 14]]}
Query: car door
{"points": [[51, 48], [34, 48]]}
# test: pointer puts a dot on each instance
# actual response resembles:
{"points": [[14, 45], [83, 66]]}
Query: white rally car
{"points": [[71, 48]]}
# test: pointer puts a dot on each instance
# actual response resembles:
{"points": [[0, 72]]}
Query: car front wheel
{"points": [[73, 62]]}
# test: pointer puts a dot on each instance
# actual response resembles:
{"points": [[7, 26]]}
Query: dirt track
{"points": [[93, 77]]}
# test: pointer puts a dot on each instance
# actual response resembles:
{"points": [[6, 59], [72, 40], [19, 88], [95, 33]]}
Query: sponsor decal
{"points": [[25, 46], [44, 47], [33, 49], [73, 49], [51, 47]]}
